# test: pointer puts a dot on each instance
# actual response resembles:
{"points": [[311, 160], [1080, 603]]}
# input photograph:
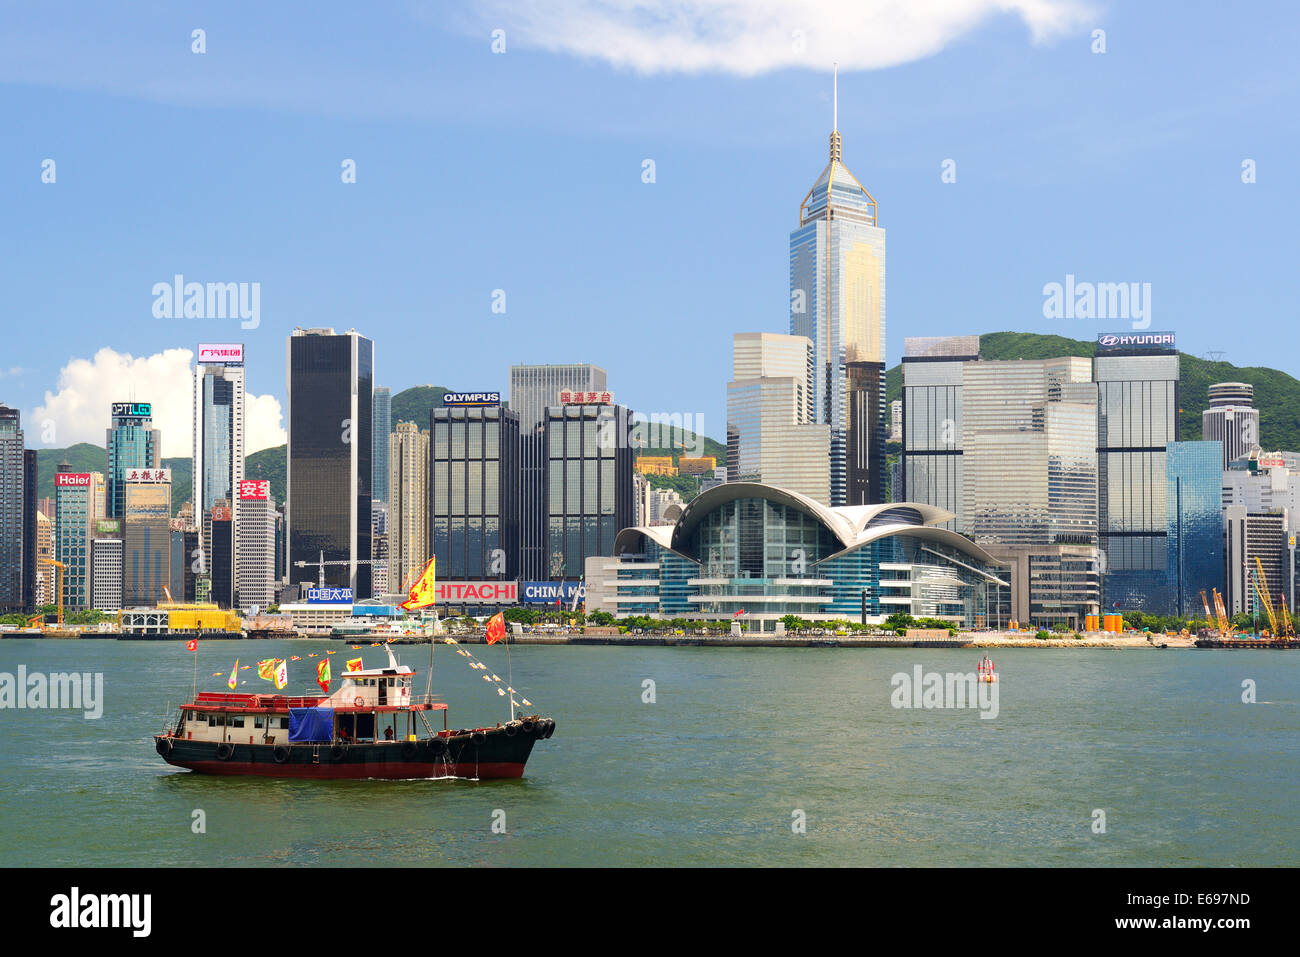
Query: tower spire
{"points": [[835, 113]]}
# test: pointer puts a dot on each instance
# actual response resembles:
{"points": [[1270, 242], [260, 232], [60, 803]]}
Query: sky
{"points": [[503, 155]]}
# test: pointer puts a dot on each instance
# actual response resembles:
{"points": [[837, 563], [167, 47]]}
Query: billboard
{"points": [[478, 593], [108, 526], [257, 489], [546, 593], [147, 475], [227, 354], [472, 398], [578, 397], [132, 410], [329, 596], [221, 513], [72, 480], [1135, 342]]}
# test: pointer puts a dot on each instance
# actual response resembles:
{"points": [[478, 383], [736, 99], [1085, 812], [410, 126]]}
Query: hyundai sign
{"points": [[1108, 343], [471, 398], [546, 593], [329, 596]]}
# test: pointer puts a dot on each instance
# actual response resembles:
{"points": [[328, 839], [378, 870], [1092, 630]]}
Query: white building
{"points": [[106, 574], [255, 545], [218, 465]]}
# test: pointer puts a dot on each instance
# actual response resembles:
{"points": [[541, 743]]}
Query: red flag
{"points": [[739, 613], [192, 645], [496, 628], [559, 601]]}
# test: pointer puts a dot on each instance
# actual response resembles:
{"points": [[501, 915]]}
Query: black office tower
{"points": [[330, 384]]}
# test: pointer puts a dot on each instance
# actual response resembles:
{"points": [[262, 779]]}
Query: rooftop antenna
{"points": [[835, 114]]}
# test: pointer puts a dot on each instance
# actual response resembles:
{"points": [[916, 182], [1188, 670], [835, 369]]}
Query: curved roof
{"points": [[853, 526]]}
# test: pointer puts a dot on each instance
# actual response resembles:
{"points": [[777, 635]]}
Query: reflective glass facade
{"points": [[12, 498], [331, 386], [930, 467], [132, 443], [1194, 492], [474, 492], [383, 426]]}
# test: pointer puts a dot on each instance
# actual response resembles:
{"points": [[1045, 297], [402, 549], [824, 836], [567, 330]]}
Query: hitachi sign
{"points": [[489, 592], [472, 398]]}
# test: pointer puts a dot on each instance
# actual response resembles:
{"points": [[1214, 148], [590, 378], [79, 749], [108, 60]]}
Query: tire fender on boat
{"points": [[164, 746], [550, 728], [280, 754], [479, 736], [528, 725], [225, 750], [408, 749], [512, 729], [338, 750], [438, 745]]}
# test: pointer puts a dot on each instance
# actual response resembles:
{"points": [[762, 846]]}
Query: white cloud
{"points": [[87, 388], [748, 37]]}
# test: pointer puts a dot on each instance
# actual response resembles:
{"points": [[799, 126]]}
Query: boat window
{"points": [[212, 721], [237, 721], [257, 721], [282, 722]]}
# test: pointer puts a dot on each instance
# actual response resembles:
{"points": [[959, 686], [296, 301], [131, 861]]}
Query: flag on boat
{"points": [[323, 675], [233, 672], [354, 664], [192, 645], [281, 674], [266, 669], [422, 593], [496, 628]]}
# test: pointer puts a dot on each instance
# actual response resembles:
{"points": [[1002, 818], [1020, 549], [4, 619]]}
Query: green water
{"points": [[711, 773]]}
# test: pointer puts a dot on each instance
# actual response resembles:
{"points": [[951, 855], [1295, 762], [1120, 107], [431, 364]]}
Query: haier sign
{"points": [[546, 593]]}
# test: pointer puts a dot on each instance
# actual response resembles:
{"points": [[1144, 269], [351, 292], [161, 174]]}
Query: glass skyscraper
{"points": [[837, 300], [14, 544], [1194, 493], [132, 443], [474, 492], [383, 427], [218, 444], [931, 462], [534, 388], [331, 387]]}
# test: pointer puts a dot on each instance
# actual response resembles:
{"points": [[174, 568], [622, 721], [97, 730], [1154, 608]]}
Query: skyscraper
{"points": [[75, 510], [837, 300], [771, 435], [532, 390], [14, 546], [331, 390], [1232, 419], [146, 536], [930, 466], [383, 427], [256, 544], [408, 508], [218, 433], [132, 443]]}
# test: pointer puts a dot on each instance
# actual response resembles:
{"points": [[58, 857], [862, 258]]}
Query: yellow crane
{"points": [[1288, 630], [58, 587], [1220, 613], [1261, 589], [1205, 603]]}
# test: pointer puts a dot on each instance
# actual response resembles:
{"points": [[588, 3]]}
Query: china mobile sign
{"points": [[477, 593], [546, 593], [255, 490]]}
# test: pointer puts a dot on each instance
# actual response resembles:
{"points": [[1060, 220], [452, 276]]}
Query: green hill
{"points": [[413, 404], [1277, 395]]}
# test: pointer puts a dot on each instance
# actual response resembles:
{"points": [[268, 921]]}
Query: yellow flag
{"points": [[354, 664], [422, 592], [266, 669], [281, 674], [233, 672]]}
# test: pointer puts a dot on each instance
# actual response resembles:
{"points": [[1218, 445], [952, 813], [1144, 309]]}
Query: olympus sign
{"points": [[471, 398]]}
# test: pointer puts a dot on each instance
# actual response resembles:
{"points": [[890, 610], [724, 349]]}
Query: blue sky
{"points": [[522, 171]]}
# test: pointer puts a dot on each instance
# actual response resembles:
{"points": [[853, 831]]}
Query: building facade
{"points": [[146, 537], [1232, 420], [331, 387], [76, 495], [382, 427], [474, 481], [256, 545], [534, 388], [106, 574], [408, 513], [930, 463], [16, 545], [218, 465], [132, 443], [837, 301]]}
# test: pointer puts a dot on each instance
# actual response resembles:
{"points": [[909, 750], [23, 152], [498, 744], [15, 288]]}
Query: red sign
{"points": [[209, 352], [72, 479], [488, 591], [221, 513], [255, 489], [578, 397]]}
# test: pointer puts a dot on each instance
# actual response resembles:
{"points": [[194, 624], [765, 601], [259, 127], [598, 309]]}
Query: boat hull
{"points": [[492, 754]]}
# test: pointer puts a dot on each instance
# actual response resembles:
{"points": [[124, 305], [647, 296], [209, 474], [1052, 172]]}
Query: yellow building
{"points": [[655, 465], [186, 616], [702, 465]]}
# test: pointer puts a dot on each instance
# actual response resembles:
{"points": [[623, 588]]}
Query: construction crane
{"points": [[1261, 589], [1220, 613], [1288, 630], [1209, 615], [322, 563], [58, 583]]}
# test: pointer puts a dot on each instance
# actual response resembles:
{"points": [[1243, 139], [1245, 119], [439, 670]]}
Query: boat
{"points": [[372, 726], [985, 673]]}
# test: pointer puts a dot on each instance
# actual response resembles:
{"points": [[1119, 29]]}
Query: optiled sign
{"points": [[478, 593], [471, 398], [228, 354], [331, 596], [1141, 341], [141, 410], [546, 593]]}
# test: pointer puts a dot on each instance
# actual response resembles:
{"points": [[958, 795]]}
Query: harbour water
{"points": [[738, 746]]}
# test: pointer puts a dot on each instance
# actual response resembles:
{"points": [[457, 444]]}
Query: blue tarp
{"points": [[311, 724]]}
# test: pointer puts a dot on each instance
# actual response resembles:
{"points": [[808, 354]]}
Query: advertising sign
{"points": [[478, 593], [258, 489], [545, 593], [221, 513], [578, 397], [72, 479], [132, 409], [147, 475], [329, 596], [472, 398], [227, 354], [1135, 342], [108, 526]]}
